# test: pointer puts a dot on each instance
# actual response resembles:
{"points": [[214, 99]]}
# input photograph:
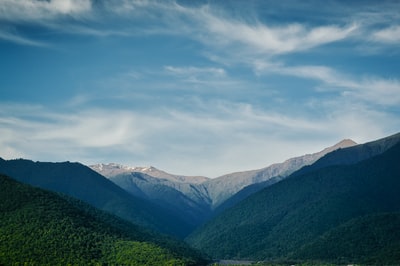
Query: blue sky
{"points": [[195, 87]]}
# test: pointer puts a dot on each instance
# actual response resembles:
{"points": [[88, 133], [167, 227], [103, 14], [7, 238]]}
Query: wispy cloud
{"points": [[13, 36], [16, 13], [198, 75], [271, 40], [374, 90], [207, 23], [390, 35], [224, 136], [217, 72], [31, 10]]}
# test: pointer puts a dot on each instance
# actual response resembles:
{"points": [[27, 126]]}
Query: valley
{"points": [[339, 206]]}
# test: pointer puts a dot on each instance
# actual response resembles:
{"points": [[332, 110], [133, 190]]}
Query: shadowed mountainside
{"points": [[39, 227], [282, 221], [79, 181], [193, 199]]}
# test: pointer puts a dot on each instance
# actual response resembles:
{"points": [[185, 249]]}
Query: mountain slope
{"points": [[193, 199], [374, 238], [222, 188], [39, 227], [281, 219], [81, 182], [345, 152], [183, 196], [353, 154], [113, 169], [186, 205]]}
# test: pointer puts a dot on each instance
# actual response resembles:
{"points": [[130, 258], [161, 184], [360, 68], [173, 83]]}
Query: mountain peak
{"points": [[113, 169], [345, 143]]}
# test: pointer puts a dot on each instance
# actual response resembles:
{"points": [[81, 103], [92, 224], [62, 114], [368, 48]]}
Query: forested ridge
{"points": [[337, 214], [39, 227], [81, 182]]}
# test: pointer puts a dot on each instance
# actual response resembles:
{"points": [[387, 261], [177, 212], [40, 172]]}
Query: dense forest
{"points": [[338, 214], [81, 182], [43, 228]]}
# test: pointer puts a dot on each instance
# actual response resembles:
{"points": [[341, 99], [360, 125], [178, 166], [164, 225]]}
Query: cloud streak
{"points": [[373, 90], [207, 23], [34, 10], [390, 35], [264, 39], [227, 133], [14, 37]]}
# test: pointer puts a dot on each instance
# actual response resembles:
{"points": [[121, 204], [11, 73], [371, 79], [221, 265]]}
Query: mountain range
{"points": [[341, 209], [194, 199], [339, 205]]}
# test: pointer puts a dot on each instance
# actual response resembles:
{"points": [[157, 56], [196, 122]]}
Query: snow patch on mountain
{"points": [[113, 169]]}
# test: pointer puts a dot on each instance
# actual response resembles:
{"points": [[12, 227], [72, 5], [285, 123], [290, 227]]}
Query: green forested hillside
{"points": [[79, 181], [354, 154], [371, 239], [277, 222], [44, 228]]}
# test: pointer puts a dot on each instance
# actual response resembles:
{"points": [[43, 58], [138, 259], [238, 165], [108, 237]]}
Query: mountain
{"points": [[113, 169], [292, 217], [193, 199], [79, 181], [39, 227], [353, 154], [375, 238], [344, 152], [222, 188], [181, 195]]}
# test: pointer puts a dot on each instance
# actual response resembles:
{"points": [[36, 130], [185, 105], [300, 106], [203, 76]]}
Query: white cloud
{"points": [[210, 24], [213, 71], [30, 10], [44, 13], [374, 90], [261, 38], [390, 35], [223, 138], [206, 23]]}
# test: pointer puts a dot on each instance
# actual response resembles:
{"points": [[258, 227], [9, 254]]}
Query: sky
{"points": [[195, 87]]}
